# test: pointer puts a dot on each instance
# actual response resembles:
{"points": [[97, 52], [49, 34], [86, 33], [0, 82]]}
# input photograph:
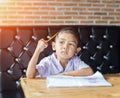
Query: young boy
{"points": [[63, 61]]}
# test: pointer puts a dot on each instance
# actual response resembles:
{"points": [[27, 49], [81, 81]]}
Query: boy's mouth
{"points": [[64, 52]]}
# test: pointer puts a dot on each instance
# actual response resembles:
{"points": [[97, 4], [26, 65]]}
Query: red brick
{"points": [[107, 9], [63, 9], [94, 9], [70, 13], [55, 4], [57, 21], [99, 5], [71, 21], [26, 22], [15, 17], [101, 22], [115, 22], [24, 12], [9, 21], [3, 17], [48, 17], [24, 3], [100, 13], [108, 18], [85, 13], [38, 4], [41, 21], [55, 13], [79, 17], [32, 17], [93, 1], [47, 8], [31, 8], [63, 17], [86, 21], [85, 5], [70, 4], [40, 13], [78, 9], [94, 17]]}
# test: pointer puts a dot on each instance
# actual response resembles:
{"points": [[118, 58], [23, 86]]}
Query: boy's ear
{"points": [[53, 46], [78, 50]]}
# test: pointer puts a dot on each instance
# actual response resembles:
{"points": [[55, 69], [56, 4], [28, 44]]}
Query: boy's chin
{"points": [[65, 56]]}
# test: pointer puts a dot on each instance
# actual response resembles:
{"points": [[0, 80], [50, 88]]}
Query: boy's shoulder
{"points": [[75, 58]]}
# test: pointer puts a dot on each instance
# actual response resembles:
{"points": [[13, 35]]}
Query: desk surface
{"points": [[36, 88]]}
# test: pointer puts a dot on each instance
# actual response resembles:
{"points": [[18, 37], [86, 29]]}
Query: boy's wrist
{"points": [[65, 73]]}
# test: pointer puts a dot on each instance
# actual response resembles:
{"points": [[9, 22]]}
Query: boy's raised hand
{"points": [[42, 44]]}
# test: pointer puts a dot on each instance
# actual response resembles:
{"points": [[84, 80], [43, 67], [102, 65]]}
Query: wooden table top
{"points": [[36, 88]]}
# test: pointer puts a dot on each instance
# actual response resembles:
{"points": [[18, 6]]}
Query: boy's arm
{"points": [[31, 70], [81, 72]]}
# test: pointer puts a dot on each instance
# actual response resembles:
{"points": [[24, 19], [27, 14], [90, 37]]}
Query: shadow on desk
{"points": [[12, 94]]}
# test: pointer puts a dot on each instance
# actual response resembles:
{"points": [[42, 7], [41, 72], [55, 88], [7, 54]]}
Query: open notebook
{"points": [[96, 79]]}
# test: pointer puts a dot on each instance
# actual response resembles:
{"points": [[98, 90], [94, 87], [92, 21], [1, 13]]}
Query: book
{"points": [[97, 79]]}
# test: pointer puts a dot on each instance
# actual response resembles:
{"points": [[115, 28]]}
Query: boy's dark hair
{"points": [[72, 31]]}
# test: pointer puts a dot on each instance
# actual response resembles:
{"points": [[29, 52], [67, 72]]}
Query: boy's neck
{"points": [[63, 62]]}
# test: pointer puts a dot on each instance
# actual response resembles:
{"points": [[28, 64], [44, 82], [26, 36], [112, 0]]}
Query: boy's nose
{"points": [[65, 46]]}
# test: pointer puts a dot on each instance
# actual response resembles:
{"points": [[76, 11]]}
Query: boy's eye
{"points": [[61, 42], [72, 44]]}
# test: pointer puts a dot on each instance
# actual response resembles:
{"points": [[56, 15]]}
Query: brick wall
{"points": [[59, 12]]}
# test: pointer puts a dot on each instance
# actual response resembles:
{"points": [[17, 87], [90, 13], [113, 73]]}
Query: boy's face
{"points": [[65, 45]]}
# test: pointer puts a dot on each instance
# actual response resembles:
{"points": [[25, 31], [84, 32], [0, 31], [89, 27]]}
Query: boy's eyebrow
{"points": [[65, 39]]}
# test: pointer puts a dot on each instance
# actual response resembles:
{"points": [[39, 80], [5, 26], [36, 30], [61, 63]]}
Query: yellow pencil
{"points": [[52, 37]]}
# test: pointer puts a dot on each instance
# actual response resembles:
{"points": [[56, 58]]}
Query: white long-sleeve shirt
{"points": [[50, 65]]}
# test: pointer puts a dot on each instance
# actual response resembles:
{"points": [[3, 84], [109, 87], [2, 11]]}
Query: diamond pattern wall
{"points": [[100, 49]]}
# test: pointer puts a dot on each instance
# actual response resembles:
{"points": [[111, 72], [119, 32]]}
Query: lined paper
{"points": [[96, 79]]}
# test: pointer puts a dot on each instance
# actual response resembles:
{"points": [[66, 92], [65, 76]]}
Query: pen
{"points": [[52, 37]]}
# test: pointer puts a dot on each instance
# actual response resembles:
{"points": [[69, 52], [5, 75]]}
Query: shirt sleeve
{"points": [[79, 64], [43, 68]]}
